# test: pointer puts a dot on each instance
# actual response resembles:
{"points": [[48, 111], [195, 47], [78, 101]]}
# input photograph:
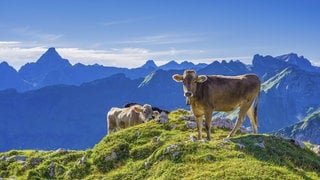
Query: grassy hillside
{"points": [[165, 151]]}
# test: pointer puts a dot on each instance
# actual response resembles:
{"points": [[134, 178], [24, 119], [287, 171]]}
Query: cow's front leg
{"points": [[199, 124], [208, 120]]}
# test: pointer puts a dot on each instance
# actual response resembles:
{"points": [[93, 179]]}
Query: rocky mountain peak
{"points": [[150, 64]]}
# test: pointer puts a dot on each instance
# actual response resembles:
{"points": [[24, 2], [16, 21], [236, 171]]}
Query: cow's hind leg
{"points": [[208, 123], [111, 124], [253, 119], [242, 113]]}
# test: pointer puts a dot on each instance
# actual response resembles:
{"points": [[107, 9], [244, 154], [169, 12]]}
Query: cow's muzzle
{"points": [[188, 94]]}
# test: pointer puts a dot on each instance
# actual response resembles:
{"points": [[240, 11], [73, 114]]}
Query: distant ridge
{"points": [[306, 130], [52, 69]]}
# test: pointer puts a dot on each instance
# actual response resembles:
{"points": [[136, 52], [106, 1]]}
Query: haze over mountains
{"points": [[51, 69], [50, 103]]}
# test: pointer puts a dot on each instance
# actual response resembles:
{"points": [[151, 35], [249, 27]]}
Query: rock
{"points": [[193, 138], [241, 146], [173, 126], [61, 150], [51, 169], [82, 160], [112, 156], [146, 165], [221, 122], [241, 156], [17, 158], [260, 145], [316, 149], [3, 158], [35, 161], [175, 154], [136, 134], [170, 148], [210, 157], [243, 130], [156, 139], [191, 124], [188, 118], [161, 158]]}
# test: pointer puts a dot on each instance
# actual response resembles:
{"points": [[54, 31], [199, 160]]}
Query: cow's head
{"points": [[190, 80], [145, 111]]}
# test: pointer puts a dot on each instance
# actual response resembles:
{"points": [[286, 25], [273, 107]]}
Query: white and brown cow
{"points": [[121, 118], [208, 93]]}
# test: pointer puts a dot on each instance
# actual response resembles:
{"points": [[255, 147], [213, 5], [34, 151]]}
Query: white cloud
{"points": [[126, 21], [9, 43], [18, 54], [125, 57], [37, 34], [164, 39]]}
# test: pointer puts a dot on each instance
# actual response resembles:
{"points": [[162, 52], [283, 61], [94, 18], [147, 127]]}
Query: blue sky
{"points": [[126, 33]]}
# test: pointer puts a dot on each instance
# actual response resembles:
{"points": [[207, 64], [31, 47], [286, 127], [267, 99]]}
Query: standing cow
{"points": [[208, 93], [121, 118]]}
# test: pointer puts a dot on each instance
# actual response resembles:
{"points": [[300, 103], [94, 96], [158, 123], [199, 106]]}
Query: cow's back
{"points": [[225, 93]]}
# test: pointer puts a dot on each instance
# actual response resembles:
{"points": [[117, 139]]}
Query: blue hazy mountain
{"points": [[300, 62], [288, 97], [225, 68], [10, 78], [268, 66], [62, 115], [36, 72], [173, 65], [306, 130], [52, 69]]}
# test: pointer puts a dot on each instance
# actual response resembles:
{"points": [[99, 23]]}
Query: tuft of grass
{"points": [[165, 151]]}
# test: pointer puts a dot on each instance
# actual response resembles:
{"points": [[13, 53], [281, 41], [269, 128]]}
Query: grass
{"points": [[164, 151]]}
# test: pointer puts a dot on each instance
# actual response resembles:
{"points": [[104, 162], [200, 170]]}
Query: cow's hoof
{"points": [[227, 139], [203, 140]]}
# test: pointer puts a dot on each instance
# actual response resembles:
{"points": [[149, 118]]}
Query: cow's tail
{"points": [[255, 112]]}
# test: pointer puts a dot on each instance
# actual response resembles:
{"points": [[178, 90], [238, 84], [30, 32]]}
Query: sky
{"points": [[127, 33]]}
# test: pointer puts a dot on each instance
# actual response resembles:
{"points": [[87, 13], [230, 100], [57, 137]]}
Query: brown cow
{"points": [[121, 118], [211, 93]]}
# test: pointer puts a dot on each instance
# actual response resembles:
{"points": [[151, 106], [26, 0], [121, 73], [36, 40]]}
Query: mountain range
{"points": [[50, 103], [52, 69]]}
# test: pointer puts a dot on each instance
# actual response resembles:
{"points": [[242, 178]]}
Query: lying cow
{"points": [[153, 108], [161, 117], [121, 118], [208, 93]]}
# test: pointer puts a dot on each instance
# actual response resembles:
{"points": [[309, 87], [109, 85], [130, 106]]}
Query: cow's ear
{"points": [[137, 109], [177, 78], [202, 78]]}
